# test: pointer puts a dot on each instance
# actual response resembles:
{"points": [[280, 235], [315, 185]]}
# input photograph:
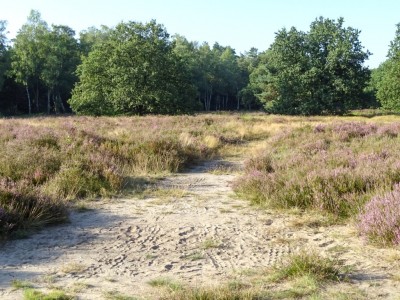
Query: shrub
{"points": [[334, 168], [20, 210], [379, 221]]}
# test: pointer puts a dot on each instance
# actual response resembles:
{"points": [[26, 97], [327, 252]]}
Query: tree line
{"points": [[138, 68]]}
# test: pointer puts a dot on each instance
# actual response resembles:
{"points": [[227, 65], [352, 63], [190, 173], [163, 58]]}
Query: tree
{"points": [[388, 92], [394, 47], [134, 71], [92, 36], [4, 59], [252, 65], [387, 78], [29, 55], [59, 67], [317, 72]]}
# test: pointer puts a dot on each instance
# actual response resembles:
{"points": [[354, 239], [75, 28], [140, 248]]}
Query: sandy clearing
{"points": [[206, 237]]}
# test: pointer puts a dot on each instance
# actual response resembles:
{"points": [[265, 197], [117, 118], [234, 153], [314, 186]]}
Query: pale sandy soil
{"points": [[203, 237]]}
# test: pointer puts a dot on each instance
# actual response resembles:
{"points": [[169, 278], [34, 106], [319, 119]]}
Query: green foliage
{"points": [[216, 72], [394, 47], [251, 65], [4, 53], [90, 37], [62, 58], [134, 71], [29, 54], [44, 57], [388, 92], [388, 76], [19, 284], [317, 72]]}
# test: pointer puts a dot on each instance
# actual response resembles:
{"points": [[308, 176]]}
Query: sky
{"points": [[241, 24]]}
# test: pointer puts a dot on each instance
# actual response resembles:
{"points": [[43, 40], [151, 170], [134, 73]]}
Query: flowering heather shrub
{"points": [[259, 164], [391, 130], [379, 221], [334, 168], [349, 130], [20, 209]]}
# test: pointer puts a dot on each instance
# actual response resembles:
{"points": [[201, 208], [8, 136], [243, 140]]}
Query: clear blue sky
{"points": [[241, 24]]}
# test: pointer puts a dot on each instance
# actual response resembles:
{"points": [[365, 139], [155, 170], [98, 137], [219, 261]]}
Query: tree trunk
{"points": [[48, 101], [58, 104], [37, 97], [238, 99], [29, 99], [207, 99], [61, 104]]}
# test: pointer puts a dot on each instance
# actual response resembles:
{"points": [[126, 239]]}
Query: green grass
{"points": [[309, 265], [31, 294], [21, 284], [210, 244], [302, 276], [197, 255], [115, 295], [164, 282]]}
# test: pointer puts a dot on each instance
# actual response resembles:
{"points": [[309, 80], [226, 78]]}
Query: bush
{"points": [[333, 168], [22, 210], [379, 221]]}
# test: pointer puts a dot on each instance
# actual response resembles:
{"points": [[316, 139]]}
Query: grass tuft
{"points": [[21, 284], [210, 244], [308, 265], [168, 283], [31, 294]]}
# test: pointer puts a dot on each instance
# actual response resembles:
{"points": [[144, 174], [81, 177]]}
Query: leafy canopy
{"points": [[317, 72], [133, 70], [388, 88]]}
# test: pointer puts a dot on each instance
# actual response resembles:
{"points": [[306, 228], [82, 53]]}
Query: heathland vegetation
{"points": [[347, 169], [45, 161]]}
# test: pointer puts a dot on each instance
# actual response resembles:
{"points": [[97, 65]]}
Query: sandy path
{"points": [[204, 237]]}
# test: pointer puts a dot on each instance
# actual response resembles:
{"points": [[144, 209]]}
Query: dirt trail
{"points": [[204, 237]]}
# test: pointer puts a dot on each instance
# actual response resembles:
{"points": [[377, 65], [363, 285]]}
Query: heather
{"points": [[334, 167], [46, 161], [379, 222]]}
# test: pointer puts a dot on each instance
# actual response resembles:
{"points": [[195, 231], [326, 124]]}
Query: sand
{"points": [[204, 236]]}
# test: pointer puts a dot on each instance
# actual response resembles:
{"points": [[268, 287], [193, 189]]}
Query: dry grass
{"points": [[73, 268]]}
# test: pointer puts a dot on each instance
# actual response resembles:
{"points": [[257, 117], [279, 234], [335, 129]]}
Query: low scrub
{"points": [[379, 221], [22, 210], [335, 168]]}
